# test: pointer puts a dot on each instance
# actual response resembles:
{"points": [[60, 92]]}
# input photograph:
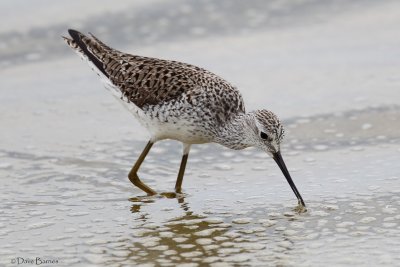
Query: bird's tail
{"points": [[90, 49]]}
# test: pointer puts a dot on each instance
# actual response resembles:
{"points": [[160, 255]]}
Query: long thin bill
{"points": [[279, 160]]}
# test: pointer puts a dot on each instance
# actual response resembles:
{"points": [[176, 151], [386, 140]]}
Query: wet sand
{"points": [[67, 146]]}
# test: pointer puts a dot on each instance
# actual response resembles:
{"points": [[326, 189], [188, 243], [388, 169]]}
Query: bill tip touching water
{"points": [[179, 101]]}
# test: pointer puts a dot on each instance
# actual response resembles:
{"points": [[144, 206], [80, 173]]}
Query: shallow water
{"points": [[67, 148], [237, 208]]}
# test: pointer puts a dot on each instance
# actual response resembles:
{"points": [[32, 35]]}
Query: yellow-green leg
{"points": [[134, 178], [178, 185]]}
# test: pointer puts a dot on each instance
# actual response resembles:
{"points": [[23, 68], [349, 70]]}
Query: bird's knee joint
{"points": [[133, 178]]}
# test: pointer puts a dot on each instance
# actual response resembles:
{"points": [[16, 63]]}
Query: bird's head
{"points": [[267, 135], [269, 131]]}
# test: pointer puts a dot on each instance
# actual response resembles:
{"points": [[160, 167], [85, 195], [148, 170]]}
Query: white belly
{"points": [[176, 129], [181, 129]]}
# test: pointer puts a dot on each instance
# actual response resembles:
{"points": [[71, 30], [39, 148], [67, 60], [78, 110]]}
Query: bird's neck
{"points": [[236, 133]]}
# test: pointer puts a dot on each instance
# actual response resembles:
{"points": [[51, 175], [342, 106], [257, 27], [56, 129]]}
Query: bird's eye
{"points": [[264, 136]]}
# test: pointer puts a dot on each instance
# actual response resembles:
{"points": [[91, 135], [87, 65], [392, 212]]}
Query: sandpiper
{"points": [[179, 101]]}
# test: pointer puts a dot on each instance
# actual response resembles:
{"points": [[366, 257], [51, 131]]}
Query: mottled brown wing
{"points": [[150, 81]]}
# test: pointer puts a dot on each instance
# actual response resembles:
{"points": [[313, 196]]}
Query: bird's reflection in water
{"points": [[139, 202], [143, 200], [177, 240], [201, 238]]}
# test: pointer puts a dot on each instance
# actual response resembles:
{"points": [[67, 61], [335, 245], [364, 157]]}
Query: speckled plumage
{"points": [[175, 100], [168, 91]]}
